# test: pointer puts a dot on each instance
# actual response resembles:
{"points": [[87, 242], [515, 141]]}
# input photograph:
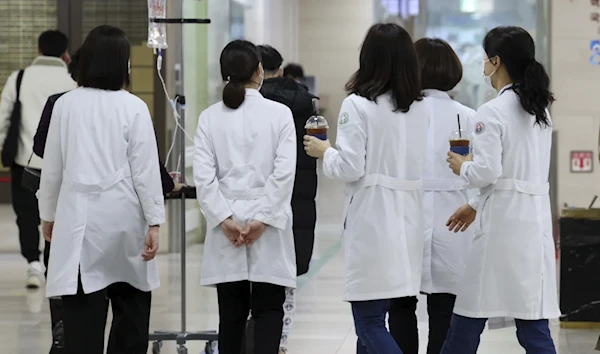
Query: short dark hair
{"points": [[271, 58], [73, 64], [239, 62], [104, 59], [388, 64], [440, 67], [53, 43], [294, 71], [516, 49]]}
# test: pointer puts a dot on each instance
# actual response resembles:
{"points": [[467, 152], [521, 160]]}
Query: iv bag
{"points": [[157, 32]]}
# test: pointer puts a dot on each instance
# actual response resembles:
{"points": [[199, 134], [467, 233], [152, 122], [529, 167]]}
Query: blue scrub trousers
{"points": [[373, 336], [465, 332]]}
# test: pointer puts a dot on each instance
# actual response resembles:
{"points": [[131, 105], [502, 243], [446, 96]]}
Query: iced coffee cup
{"points": [[317, 126], [460, 142]]}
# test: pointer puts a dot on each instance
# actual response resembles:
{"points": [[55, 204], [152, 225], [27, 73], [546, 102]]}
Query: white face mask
{"points": [[262, 80], [488, 78]]}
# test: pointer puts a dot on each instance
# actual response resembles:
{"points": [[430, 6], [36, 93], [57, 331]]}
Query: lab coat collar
{"points": [[504, 89], [436, 93], [49, 61], [253, 92]]}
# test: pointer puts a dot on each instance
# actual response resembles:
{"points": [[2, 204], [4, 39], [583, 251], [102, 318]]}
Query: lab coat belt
{"points": [[242, 194], [525, 187], [441, 185], [103, 185], [390, 183]]}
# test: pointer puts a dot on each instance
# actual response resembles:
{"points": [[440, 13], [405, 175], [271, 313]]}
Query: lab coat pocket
{"points": [[484, 209], [347, 202]]}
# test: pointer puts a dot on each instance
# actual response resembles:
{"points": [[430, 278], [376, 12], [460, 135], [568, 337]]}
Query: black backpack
{"points": [[11, 143]]}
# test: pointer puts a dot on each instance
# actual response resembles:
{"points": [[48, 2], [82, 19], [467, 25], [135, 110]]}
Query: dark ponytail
{"points": [[239, 63], [234, 94], [516, 50], [534, 92]]}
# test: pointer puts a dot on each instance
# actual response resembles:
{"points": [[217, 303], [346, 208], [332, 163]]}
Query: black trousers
{"points": [[25, 205], [236, 300], [56, 311], [403, 322], [85, 320]]}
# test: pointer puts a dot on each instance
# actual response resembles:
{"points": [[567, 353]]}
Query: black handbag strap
{"points": [[19, 80]]}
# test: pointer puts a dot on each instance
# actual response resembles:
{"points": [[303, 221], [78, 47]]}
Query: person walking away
{"points": [[380, 155], [244, 168], [443, 192], [101, 202], [510, 271], [47, 75], [39, 144], [297, 98], [294, 72]]}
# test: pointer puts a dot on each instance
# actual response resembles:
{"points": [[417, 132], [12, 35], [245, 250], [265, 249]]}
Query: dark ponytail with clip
{"points": [[239, 62], [516, 50]]}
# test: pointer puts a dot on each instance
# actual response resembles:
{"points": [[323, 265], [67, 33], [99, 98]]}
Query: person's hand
{"points": [[462, 218], [47, 227], [253, 232], [456, 161], [315, 147], [151, 243], [233, 232], [178, 187]]}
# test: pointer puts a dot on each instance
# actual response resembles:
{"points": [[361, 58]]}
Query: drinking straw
{"points": [[459, 132]]}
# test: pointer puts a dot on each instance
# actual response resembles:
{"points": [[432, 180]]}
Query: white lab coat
{"points": [[380, 155], [511, 269], [244, 167], [101, 186], [444, 252]]}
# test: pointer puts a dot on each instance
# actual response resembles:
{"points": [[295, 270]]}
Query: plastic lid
{"points": [[316, 122], [463, 135]]}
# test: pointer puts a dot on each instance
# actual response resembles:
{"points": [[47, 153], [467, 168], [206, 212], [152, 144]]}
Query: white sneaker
{"points": [[34, 275]]}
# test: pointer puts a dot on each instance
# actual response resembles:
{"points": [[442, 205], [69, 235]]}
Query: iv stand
{"points": [[183, 336]]}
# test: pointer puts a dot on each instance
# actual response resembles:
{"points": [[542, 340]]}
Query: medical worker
{"points": [[380, 154], [244, 169], [443, 192], [511, 269]]}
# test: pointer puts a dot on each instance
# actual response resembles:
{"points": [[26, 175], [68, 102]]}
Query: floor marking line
{"points": [[319, 264]]}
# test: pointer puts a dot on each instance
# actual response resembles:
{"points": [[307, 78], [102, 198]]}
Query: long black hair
{"points": [[239, 62], [516, 50], [388, 64]]}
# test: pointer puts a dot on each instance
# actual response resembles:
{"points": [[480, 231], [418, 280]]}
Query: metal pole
{"points": [[183, 226]]}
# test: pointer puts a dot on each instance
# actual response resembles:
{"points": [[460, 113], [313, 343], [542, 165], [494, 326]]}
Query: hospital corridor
{"points": [[299, 176]]}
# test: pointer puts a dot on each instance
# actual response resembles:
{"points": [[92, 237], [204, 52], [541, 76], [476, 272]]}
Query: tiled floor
{"points": [[323, 323]]}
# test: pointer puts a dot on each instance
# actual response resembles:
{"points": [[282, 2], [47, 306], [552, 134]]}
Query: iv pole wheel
{"points": [[209, 349], [156, 346], [182, 349]]}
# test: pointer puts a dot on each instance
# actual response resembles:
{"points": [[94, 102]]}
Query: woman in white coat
{"points": [[444, 253], [381, 153], [510, 272], [101, 202], [244, 168]]}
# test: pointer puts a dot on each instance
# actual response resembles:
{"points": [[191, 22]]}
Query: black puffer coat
{"points": [[299, 100]]}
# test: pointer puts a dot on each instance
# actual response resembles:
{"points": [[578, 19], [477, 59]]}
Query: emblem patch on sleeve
{"points": [[479, 127], [344, 118]]}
